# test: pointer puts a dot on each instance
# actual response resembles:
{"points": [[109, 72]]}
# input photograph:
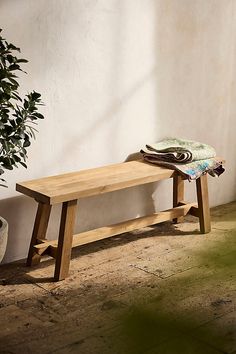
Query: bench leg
{"points": [[39, 232], [65, 240], [203, 204], [178, 194]]}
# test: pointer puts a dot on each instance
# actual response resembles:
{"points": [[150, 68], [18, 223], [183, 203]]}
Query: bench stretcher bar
{"points": [[50, 247]]}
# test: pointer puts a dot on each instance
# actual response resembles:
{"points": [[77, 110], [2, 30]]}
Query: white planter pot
{"points": [[3, 237]]}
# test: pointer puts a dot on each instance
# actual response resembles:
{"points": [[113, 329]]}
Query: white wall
{"points": [[114, 75]]}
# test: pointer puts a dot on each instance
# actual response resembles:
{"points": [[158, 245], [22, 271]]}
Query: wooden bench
{"points": [[68, 188]]}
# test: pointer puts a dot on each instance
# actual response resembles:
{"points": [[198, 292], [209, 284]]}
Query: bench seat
{"points": [[85, 183]]}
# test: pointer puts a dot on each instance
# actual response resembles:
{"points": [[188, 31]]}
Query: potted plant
{"points": [[18, 116]]}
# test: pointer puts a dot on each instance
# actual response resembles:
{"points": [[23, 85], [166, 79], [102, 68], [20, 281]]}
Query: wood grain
{"points": [[39, 232], [203, 204], [178, 194], [65, 240], [70, 186]]}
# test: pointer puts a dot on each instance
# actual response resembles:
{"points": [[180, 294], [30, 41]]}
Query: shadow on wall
{"points": [[110, 115]]}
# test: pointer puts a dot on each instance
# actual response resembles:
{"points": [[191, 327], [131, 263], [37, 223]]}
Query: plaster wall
{"points": [[114, 75]]}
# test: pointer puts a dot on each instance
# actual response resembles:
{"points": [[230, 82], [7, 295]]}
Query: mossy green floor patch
{"points": [[193, 311]]}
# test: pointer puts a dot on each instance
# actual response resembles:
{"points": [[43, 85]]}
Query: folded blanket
{"points": [[192, 159], [179, 150]]}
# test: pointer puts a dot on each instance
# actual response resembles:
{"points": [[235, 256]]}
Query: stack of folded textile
{"points": [[190, 158]]}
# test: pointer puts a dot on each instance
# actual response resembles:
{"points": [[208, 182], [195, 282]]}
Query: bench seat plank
{"points": [[70, 186]]}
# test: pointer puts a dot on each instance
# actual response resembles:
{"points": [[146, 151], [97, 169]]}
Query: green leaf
{"points": [[6, 96], [18, 120], [14, 67], [35, 95], [8, 166], [14, 82], [22, 61], [17, 97], [26, 104], [26, 143], [10, 58], [23, 164], [13, 123], [17, 158], [8, 129], [13, 47], [38, 115]]}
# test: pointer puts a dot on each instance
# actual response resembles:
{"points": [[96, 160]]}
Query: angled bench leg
{"points": [[39, 232], [65, 240], [203, 204], [178, 194]]}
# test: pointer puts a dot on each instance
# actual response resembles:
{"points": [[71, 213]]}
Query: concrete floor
{"points": [[162, 290]]}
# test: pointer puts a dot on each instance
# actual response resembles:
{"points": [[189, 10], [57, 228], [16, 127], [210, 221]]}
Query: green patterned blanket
{"points": [[190, 158]]}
